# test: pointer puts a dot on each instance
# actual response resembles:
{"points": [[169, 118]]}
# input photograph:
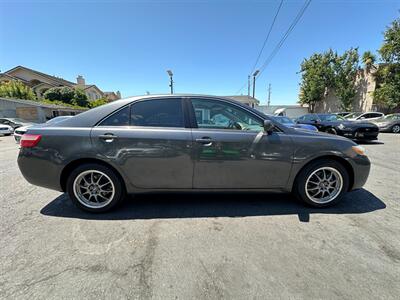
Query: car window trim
{"points": [[186, 123], [193, 120]]}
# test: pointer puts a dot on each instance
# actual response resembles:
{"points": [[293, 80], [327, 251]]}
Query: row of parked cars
{"points": [[18, 127], [356, 126]]}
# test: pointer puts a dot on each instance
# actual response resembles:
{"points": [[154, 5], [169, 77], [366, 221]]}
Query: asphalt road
{"points": [[235, 246]]}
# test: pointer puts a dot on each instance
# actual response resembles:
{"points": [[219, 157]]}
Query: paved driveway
{"points": [[234, 246]]}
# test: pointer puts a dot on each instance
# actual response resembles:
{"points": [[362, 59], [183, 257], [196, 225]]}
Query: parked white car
{"points": [[5, 129], [19, 132], [22, 130], [357, 116]]}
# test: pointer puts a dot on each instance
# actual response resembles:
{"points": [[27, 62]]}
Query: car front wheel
{"points": [[94, 188], [396, 128], [322, 183]]}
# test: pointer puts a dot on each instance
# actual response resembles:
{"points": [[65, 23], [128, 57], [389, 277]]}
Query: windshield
{"points": [[391, 117], [18, 120], [330, 118], [57, 119], [353, 115], [284, 120]]}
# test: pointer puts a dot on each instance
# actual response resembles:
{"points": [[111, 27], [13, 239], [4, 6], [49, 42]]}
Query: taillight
{"points": [[30, 140]]}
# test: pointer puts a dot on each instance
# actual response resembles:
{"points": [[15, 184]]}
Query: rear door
{"points": [[149, 142], [231, 150]]}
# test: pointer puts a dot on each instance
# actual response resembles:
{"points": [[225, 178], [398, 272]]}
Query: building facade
{"points": [[363, 100], [41, 82]]}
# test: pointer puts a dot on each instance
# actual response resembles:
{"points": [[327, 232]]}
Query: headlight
{"points": [[359, 150], [341, 126]]}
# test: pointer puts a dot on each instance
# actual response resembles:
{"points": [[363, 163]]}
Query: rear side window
{"points": [[157, 113], [120, 118]]}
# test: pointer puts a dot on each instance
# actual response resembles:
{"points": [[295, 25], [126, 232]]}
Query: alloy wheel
{"points": [[94, 189], [324, 185], [396, 129]]}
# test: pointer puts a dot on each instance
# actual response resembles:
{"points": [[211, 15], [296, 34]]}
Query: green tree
{"points": [[63, 93], [316, 77], [345, 73], [368, 59], [67, 95], [80, 98], [16, 90], [387, 92], [98, 102], [390, 50]]}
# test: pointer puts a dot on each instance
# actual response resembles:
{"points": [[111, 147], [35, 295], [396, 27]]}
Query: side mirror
{"points": [[268, 126]]}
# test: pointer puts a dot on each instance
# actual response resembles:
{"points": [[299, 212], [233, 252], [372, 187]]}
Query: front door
{"points": [[231, 150], [149, 143]]}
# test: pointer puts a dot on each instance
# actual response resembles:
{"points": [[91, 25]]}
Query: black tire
{"points": [[119, 190], [299, 188], [7, 134], [395, 128], [331, 130]]}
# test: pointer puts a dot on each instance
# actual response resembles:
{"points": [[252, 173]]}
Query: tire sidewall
{"points": [[394, 127], [300, 184], [119, 190]]}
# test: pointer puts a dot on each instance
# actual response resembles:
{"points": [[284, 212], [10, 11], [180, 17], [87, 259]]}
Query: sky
{"points": [[210, 45]]}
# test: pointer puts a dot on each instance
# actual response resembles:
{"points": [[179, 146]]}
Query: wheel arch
{"points": [[75, 163], [338, 159]]}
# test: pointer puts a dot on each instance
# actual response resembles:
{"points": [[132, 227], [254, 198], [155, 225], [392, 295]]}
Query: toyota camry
{"points": [[186, 143]]}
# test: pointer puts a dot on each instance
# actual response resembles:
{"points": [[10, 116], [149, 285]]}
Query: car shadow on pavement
{"points": [[370, 143], [211, 205]]}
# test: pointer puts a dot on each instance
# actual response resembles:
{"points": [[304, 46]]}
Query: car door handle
{"points": [[108, 137], [206, 141]]}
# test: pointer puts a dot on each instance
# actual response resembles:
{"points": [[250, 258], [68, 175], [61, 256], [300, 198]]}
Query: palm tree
{"points": [[368, 60]]}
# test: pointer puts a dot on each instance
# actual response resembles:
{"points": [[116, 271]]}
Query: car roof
{"points": [[92, 116]]}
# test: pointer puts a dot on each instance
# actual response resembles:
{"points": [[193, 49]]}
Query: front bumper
{"points": [[360, 133], [361, 168]]}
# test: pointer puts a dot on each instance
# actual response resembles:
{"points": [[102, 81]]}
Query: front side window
{"points": [[119, 118], [222, 115], [157, 113]]}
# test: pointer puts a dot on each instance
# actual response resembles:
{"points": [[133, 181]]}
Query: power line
{"points": [[266, 39], [265, 42], [285, 36]]}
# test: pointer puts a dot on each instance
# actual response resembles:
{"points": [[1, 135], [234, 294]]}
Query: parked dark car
{"points": [[15, 122], [290, 123], [389, 123], [186, 143], [334, 124]]}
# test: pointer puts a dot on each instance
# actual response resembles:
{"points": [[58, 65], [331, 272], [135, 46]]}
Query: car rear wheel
{"points": [[396, 128], [322, 183], [94, 188]]}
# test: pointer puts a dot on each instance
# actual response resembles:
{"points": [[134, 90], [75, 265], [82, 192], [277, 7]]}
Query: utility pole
{"points": [[248, 86], [254, 82], [171, 81], [269, 94]]}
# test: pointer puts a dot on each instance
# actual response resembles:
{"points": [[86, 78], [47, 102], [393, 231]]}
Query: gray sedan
{"points": [[389, 123], [186, 143]]}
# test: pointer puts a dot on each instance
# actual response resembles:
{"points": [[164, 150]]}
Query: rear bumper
{"points": [[38, 171]]}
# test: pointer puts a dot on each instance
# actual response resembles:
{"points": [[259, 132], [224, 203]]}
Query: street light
{"points": [[171, 82], [254, 82]]}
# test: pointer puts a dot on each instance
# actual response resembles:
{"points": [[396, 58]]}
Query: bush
{"points": [[17, 90], [67, 95], [80, 99], [98, 102]]}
